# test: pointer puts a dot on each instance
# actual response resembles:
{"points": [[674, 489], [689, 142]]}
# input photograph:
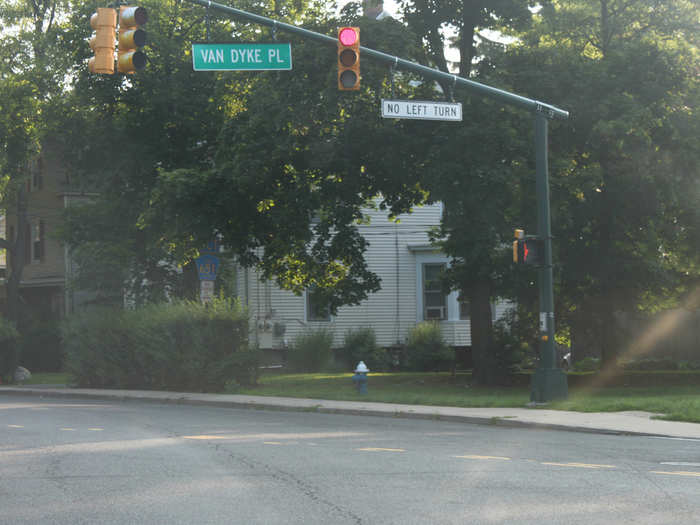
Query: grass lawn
{"points": [[678, 403], [406, 388], [48, 378]]}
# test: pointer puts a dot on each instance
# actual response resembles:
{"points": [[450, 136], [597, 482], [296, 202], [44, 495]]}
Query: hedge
{"points": [[9, 339], [181, 346]]}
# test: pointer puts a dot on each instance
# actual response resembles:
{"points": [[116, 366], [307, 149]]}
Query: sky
{"points": [[391, 7]]}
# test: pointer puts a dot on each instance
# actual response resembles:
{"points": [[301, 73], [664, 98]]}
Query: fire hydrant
{"points": [[360, 377]]}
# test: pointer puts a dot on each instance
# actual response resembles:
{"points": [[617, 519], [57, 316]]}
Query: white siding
{"points": [[395, 253]]}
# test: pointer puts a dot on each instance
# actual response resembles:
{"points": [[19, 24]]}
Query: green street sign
{"points": [[241, 57]]}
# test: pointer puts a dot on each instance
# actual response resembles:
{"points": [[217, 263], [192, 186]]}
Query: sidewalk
{"points": [[625, 423]]}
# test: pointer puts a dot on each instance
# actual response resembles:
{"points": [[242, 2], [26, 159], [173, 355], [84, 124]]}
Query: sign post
{"points": [[207, 265]]}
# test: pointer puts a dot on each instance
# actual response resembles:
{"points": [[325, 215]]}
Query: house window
{"points": [[34, 241], [434, 299], [317, 308], [27, 243], [38, 240], [36, 173]]}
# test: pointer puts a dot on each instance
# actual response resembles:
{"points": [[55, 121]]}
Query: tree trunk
{"points": [[470, 19], [16, 257], [481, 332]]}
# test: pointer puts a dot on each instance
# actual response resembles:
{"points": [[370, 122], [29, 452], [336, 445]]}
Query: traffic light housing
{"points": [[349, 58], [528, 251], [131, 38], [104, 22]]}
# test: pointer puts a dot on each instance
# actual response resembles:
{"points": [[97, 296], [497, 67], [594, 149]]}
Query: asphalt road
{"points": [[77, 461]]}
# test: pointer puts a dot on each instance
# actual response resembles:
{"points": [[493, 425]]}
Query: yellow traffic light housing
{"points": [[104, 22], [349, 58], [131, 38]]}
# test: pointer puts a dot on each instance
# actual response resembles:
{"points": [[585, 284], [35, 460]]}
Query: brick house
{"points": [[46, 275]]}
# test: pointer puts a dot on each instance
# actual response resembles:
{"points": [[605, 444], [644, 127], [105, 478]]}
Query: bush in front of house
{"points": [[588, 364], [40, 345], [426, 350], [172, 346], [9, 339], [312, 350], [659, 363], [361, 345]]}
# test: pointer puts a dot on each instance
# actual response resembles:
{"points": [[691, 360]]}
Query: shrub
{"points": [[589, 364], [361, 345], [9, 338], [40, 346], [179, 346], [663, 363], [426, 350], [312, 350], [507, 353]]}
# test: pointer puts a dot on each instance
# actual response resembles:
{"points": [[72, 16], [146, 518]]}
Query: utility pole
{"points": [[549, 382]]}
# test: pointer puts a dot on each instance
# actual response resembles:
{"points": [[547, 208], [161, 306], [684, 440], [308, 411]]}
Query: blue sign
{"points": [[207, 266], [212, 247]]}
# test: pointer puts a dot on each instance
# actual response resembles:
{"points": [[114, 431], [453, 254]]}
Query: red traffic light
{"points": [[348, 36], [349, 58]]}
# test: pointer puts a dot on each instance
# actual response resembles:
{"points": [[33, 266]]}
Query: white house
{"points": [[400, 253]]}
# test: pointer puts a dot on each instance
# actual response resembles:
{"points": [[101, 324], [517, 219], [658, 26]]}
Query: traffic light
{"points": [[528, 251], [104, 22], [349, 58], [131, 38]]}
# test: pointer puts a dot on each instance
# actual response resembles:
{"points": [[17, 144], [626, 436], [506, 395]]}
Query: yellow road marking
{"points": [[16, 426], [680, 473], [376, 449], [69, 429], [579, 465], [484, 457], [96, 429]]}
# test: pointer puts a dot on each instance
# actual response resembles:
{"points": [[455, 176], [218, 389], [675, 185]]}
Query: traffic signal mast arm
{"points": [[535, 106], [548, 381]]}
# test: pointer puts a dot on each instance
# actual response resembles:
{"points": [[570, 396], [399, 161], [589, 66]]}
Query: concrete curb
{"points": [[493, 417]]}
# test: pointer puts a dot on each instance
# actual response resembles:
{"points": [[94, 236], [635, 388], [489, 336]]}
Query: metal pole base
{"points": [[548, 384]]}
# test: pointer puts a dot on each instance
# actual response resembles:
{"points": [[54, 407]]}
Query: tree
{"points": [[625, 171], [276, 165], [292, 170], [31, 78], [478, 168]]}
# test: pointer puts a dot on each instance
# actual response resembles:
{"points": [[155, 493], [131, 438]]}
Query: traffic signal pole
{"points": [[548, 382]]}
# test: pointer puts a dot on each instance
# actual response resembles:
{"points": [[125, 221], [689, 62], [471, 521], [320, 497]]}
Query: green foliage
{"points": [[9, 337], [361, 345], [625, 167], [40, 347], [426, 349], [651, 364], [312, 350], [509, 350], [179, 346], [588, 364]]}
